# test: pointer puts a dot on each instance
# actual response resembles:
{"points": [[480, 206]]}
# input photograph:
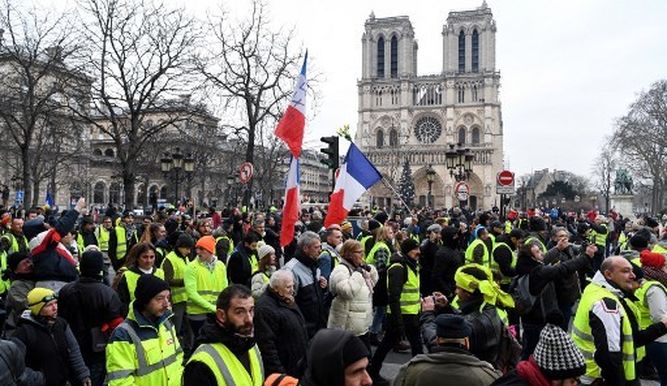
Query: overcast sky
{"points": [[568, 68]]}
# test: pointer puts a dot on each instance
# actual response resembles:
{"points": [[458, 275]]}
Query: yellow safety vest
{"points": [[102, 235], [468, 255], [583, 338], [623, 241], [80, 243], [230, 249], [132, 277], [4, 284], [226, 367], [178, 294], [508, 227], [410, 299], [600, 239], [363, 242], [370, 259], [496, 267], [121, 242], [154, 360], [642, 311], [14, 243], [659, 249], [202, 282]]}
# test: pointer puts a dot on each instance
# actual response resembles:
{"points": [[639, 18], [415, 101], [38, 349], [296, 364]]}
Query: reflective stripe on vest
{"points": [[371, 255], [471, 248], [410, 298], [171, 364], [14, 243], [209, 284], [178, 294], [226, 367], [659, 249], [132, 277], [583, 338], [363, 242], [599, 239]]}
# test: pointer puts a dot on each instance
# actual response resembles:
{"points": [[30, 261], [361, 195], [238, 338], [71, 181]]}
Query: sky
{"points": [[568, 68]]}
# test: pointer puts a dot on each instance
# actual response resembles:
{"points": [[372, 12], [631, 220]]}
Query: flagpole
{"points": [[387, 184]]}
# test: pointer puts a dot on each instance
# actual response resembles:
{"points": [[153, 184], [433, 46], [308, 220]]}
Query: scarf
{"points": [[529, 372], [655, 274]]}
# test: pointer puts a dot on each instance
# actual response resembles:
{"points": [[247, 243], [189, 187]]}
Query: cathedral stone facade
{"points": [[403, 115]]}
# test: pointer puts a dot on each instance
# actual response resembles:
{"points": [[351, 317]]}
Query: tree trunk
{"points": [[249, 156], [128, 189], [26, 185]]}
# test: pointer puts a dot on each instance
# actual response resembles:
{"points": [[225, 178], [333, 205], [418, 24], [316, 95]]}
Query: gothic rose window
{"points": [[428, 130]]}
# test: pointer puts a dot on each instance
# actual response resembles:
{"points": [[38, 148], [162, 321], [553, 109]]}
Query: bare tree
{"points": [[253, 68], [603, 169], [641, 138], [36, 87], [138, 53]]}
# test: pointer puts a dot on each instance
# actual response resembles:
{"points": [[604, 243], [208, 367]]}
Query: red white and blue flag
{"points": [[356, 176], [291, 207], [292, 124]]}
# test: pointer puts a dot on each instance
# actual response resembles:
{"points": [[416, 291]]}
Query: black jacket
{"points": [[281, 334], [13, 371], [541, 281], [503, 257], [447, 260], [197, 373], [48, 264], [568, 290], [86, 304], [52, 349], [426, 262], [239, 270], [309, 295]]}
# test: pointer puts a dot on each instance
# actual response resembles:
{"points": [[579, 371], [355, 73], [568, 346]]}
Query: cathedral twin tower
{"points": [[403, 116]]}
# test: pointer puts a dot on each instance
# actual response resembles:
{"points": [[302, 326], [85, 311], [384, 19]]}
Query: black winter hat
{"points": [[92, 264], [381, 217], [148, 286], [407, 245], [33, 227], [638, 242], [537, 224], [373, 225], [452, 326], [185, 240]]}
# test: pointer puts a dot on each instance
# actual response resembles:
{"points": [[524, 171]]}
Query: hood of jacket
{"points": [[325, 359], [600, 280], [525, 264], [451, 355]]}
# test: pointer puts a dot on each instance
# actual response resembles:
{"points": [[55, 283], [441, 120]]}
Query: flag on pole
{"points": [[356, 176], [291, 126], [291, 207], [49, 200]]}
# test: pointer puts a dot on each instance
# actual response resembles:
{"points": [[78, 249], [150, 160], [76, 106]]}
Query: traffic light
{"points": [[331, 151]]}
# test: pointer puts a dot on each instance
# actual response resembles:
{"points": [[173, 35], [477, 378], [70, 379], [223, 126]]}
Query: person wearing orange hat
{"points": [[205, 278]]}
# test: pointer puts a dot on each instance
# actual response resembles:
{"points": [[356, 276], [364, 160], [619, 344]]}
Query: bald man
{"points": [[605, 326]]}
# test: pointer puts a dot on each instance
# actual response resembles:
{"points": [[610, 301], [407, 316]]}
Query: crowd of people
{"points": [[477, 298]]}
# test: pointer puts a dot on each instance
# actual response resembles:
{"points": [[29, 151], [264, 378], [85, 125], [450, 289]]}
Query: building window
{"points": [[462, 135], [394, 57], [378, 98], [98, 193], [380, 58], [475, 135], [97, 152], [462, 52], [379, 139], [394, 96], [393, 138], [114, 193], [475, 97], [109, 153], [475, 51], [461, 95]]}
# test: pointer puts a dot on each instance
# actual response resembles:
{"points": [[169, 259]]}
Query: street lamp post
{"points": [[430, 177], [175, 167], [459, 162]]}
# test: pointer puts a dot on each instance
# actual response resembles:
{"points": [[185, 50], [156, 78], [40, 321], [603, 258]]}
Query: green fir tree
{"points": [[406, 187]]}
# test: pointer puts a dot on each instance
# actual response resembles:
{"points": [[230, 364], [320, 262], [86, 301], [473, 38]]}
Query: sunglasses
{"points": [[45, 300]]}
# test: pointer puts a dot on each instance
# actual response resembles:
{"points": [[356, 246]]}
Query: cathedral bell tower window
{"points": [[475, 51], [462, 52], [380, 58], [394, 57]]}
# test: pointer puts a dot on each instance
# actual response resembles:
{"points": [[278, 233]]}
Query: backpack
{"points": [[520, 292]]}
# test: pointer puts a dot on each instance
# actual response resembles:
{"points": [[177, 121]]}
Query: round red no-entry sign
{"points": [[505, 178]]}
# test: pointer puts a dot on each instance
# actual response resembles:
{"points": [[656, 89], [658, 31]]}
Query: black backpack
{"points": [[520, 292]]}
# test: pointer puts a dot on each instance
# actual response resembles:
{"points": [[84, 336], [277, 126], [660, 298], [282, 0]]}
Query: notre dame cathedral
{"points": [[403, 115]]}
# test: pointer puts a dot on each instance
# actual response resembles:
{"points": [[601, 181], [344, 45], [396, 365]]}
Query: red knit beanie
{"points": [[652, 259]]}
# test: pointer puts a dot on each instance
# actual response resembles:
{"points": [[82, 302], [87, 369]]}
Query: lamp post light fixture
{"points": [[459, 162], [430, 177], [176, 166]]}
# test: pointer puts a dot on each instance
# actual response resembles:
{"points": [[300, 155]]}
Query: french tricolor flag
{"points": [[356, 176], [291, 126], [291, 207]]}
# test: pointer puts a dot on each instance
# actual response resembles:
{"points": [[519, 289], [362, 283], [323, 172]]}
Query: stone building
{"points": [[406, 115]]}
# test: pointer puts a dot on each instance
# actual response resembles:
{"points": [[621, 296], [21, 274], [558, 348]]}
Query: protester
{"points": [[140, 261], [652, 304], [227, 353], [144, 349], [450, 360], [20, 274], [429, 248], [447, 260], [243, 261], [174, 266], [337, 358], [329, 257], [51, 347], [280, 327], [351, 283], [13, 370], [267, 266], [92, 310]]}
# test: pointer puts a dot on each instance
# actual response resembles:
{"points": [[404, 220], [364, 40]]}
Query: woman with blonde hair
{"points": [[352, 282]]}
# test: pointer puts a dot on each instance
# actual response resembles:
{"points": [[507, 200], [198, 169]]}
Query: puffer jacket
{"points": [[13, 371], [352, 306], [309, 296]]}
